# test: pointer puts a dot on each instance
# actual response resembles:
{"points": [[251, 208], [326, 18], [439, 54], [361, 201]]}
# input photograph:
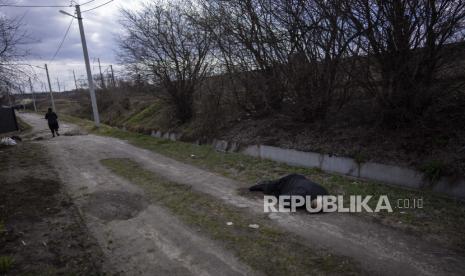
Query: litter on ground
{"points": [[7, 141]]}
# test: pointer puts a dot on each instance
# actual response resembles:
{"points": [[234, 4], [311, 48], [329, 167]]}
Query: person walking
{"points": [[52, 119]]}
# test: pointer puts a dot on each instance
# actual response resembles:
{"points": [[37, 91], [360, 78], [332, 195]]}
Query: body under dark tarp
{"points": [[8, 122]]}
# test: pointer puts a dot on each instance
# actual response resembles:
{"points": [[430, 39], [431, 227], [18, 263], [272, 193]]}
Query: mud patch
{"points": [[244, 191], [41, 232], [114, 205], [74, 132], [38, 138]]}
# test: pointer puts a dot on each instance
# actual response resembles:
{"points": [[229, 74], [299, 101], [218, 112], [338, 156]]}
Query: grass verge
{"points": [[265, 249], [6, 263], [441, 219]]}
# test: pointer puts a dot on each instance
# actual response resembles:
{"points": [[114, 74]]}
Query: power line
{"points": [[33, 6], [21, 64], [48, 6], [87, 2], [98, 6], [63, 40]]}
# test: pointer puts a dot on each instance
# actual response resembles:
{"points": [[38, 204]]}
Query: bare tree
{"points": [[406, 46], [283, 53], [11, 37], [318, 38], [241, 30], [305, 58], [163, 41]]}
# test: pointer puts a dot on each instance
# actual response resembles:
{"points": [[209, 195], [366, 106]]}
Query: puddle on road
{"points": [[114, 205]]}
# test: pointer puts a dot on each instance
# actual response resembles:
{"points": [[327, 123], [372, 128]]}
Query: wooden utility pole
{"points": [[33, 95], [50, 87], [8, 94], [75, 82], [112, 76], [22, 92], [101, 75], [93, 98], [58, 83], [89, 73]]}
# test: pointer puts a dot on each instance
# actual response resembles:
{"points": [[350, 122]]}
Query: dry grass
{"points": [[266, 249], [441, 219]]}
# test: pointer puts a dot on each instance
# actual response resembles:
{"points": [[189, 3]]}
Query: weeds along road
{"points": [[139, 237]]}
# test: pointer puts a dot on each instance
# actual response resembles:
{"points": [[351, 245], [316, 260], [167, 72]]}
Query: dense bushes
{"points": [[303, 58]]}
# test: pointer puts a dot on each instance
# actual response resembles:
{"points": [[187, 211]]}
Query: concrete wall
{"points": [[390, 174], [167, 135]]}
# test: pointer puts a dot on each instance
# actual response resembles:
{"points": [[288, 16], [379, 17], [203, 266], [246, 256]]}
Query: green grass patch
{"points": [[434, 170], [441, 218], [266, 249], [6, 264], [145, 116]]}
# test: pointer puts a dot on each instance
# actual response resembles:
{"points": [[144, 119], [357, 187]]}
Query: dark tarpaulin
{"points": [[8, 121]]}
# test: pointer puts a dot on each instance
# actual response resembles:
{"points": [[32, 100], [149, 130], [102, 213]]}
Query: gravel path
{"points": [[147, 239]]}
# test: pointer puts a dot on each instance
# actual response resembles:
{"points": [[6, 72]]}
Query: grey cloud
{"points": [[46, 27]]}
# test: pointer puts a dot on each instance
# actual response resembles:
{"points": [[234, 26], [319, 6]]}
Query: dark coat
{"points": [[52, 119], [292, 184]]}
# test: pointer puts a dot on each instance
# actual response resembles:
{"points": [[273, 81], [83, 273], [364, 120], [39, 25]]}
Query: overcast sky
{"points": [[46, 28]]}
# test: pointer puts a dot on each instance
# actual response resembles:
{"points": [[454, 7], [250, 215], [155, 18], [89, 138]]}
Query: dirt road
{"points": [[136, 237], [140, 237], [41, 231]]}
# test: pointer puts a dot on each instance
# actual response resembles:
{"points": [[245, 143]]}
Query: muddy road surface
{"points": [[41, 231]]}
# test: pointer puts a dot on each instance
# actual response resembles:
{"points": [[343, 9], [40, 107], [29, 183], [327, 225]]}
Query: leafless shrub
{"points": [[305, 58], [283, 52], [163, 41], [405, 48], [244, 44], [11, 37]]}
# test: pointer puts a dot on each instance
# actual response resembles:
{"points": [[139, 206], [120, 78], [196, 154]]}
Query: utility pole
{"points": [[50, 87], [89, 73], [21, 92], [8, 93], [112, 76], [33, 95], [101, 75], [58, 83], [75, 82]]}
